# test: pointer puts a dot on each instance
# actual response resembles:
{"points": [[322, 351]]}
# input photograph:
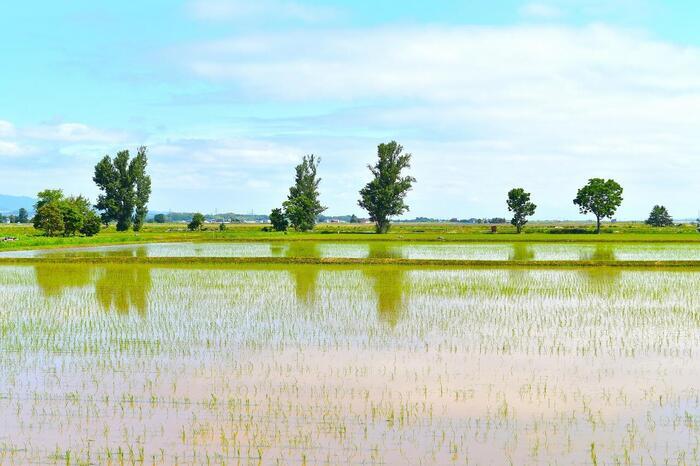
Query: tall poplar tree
{"points": [[383, 197], [303, 206], [126, 188]]}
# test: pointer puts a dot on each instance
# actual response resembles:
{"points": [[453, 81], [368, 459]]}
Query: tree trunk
{"points": [[519, 228], [382, 226], [597, 225]]}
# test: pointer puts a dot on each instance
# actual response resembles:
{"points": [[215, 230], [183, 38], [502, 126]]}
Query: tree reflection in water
{"points": [[305, 276], [521, 252], [388, 283], [601, 279], [54, 279], [118, 287], [123, 288]]}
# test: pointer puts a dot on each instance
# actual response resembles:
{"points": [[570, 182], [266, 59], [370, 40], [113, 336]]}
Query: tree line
{"points": [[384, 196], [125, 189], [21, 217]]}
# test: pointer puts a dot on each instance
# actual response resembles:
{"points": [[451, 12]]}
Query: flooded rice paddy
{"points": [[309, 364], [427, 250]]}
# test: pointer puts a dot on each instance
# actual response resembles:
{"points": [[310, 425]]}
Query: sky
{"points": [[228, 95]]}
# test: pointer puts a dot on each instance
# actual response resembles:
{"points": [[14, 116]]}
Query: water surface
{"points": [[379, 249], [348, 365]]}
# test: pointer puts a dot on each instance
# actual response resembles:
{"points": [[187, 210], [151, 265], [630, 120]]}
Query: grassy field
{"points": [[27, 237]]}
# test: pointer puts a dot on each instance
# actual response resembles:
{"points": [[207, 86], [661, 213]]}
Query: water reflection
{"points": [[384, 251], [601, 279], [98, 252], [521, 252], [305, 276], [600, 252], [124, 288], [118, 288], [387, 282], [302, 249], [55, 279]]}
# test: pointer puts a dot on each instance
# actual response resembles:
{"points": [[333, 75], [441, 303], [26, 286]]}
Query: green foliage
{"points": [[196, 222], [23, 216], [354, 219], [519, 203], [72, 218], [125, 188], [45, 219], [143, 187], [600, 197], [302, 206], [91, 224], [278, 220], [159, 218], [383, 197], [222, 226], [56, 214], [49, 218], [659, 217]]}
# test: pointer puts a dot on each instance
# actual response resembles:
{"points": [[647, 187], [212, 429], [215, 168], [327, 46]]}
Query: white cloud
{"points": [[548, 106], [224, 10], [74, 132], [11, 149], [540, 10], [447, 64], [222, 151], [7, 129]]}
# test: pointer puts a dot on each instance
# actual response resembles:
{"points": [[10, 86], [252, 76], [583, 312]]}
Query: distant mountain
{"points": [[11, 204]]}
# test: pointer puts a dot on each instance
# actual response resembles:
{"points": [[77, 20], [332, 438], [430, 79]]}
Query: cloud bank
{"points": [[541, 106]]}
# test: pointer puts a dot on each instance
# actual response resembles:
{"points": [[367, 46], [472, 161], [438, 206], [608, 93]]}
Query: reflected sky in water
{"points": [[521, 251], [398, 353]]}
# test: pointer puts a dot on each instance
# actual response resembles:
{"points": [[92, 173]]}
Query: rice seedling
{"points": [[117, 363]]}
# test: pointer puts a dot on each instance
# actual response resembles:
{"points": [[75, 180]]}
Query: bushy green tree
{"points": [[659, 217], [125, 188], [196, 222], [49, 218], [56, 214], [91, 224], [383, 197], [278, 220], [302, 206], [72, 218], [600, 197], [519, 203], [46, 197], [159, 218]]}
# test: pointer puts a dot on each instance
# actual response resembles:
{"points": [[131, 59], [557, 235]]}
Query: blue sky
{"points": [[228, 95]]}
